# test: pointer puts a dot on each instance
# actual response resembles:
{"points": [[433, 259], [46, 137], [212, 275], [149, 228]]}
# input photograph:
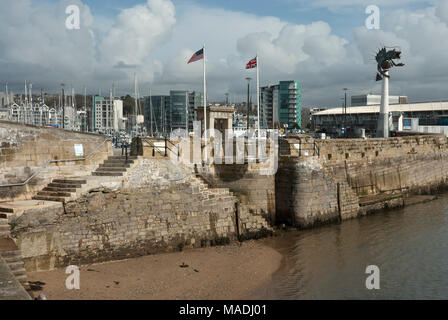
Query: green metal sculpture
{"points": [[385, 60]]}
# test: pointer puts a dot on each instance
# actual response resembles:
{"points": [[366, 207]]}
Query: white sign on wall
{"points": [[79, 150]]}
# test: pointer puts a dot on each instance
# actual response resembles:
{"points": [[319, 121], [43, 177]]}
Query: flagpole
{"points": [[258, 93], [205, 103]]}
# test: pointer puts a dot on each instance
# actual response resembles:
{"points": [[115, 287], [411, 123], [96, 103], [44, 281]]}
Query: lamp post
{"points": [[248, 103], [63, 106]]}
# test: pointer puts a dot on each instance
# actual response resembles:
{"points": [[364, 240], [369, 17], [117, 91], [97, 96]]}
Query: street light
{"points": [[248, 97], [63, 105], [345, 100]]}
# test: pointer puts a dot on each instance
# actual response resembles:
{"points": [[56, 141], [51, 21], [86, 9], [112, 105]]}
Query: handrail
{"points": [[169, 162], [174, 145], [166, 146], [153, 146], [54, 161]]}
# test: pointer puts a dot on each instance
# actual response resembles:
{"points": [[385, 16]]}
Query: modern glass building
{"points": [[160, 114], [196, 99], [281, 105], [176, 111]]}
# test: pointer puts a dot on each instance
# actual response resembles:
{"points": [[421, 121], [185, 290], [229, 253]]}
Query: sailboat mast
{"points": [[151, 114], [86, 126], [135, 99], [7, 94]]}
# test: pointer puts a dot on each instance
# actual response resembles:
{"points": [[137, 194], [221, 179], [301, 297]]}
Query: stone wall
{"points": [[254, 190], [26, 149], [303, 188], [156, 208], [325, 180]]}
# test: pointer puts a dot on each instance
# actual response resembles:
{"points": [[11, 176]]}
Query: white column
{"points": [[383, 121]]}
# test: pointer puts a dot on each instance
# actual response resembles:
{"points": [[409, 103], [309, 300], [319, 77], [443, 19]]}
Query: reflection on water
{"points": [[410, 246]]}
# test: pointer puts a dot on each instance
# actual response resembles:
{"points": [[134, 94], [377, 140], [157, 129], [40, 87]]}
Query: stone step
{"points": [[70, 181], [219, 191], [13, 259], [45, 198], [8, 248], [64, 185], [114, 169], [20, 275], [108, 174], [7, 210], [54, 194], [5, 234], [16, 266], [54, 189], [121, 157], [115, 164], [11, 253], [23, 279]]}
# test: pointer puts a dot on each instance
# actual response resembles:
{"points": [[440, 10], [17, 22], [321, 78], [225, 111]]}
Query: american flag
{"points": [[252, 64], [199, 55]]}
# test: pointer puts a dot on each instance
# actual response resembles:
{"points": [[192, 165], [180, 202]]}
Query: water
{"points": [[410, 247]]}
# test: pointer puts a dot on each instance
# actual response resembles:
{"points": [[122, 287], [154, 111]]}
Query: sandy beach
{"points": [[231, 272]]}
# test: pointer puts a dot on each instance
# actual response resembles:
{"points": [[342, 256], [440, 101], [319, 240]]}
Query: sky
{"points": [[324, 44]]}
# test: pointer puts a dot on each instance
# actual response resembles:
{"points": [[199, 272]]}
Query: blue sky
{"points": [[324, 44], [342, 18]]}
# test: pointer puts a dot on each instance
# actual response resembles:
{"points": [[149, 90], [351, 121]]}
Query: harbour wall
{"points": [[321, 181], [160, 206], [155, 208]]}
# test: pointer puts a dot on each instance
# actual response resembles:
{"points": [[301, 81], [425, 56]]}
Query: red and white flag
{"points": [[252, 64], [199, 55]]}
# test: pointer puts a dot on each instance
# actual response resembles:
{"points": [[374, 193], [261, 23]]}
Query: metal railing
{"points": [[166, 148], [54, 161], [182, 174]]}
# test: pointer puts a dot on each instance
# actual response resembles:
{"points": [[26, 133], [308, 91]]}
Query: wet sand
{"points": [[232, 272]]}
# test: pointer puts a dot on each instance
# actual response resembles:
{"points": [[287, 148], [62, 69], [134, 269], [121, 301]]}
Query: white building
{"points": [[107, 114], [372, 99], [432, 117], [4, 107]]}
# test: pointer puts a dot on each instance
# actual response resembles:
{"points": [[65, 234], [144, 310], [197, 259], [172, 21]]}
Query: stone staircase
{"points": [[209, 191], [10, 253], [4, 226], [65, 190], [60, 190], [13, 257], [114, 166]]}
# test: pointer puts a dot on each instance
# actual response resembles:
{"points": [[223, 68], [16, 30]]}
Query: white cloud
{"points": [[137, 32], [156, 40], [358, 3]]}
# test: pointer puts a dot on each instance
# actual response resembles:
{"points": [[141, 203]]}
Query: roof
{"points": [[408, 107]]}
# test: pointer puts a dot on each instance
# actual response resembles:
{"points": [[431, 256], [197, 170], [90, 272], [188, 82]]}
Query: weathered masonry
{"points": [[320, 181], [150, 206], [104, 208], [28, 150]]}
